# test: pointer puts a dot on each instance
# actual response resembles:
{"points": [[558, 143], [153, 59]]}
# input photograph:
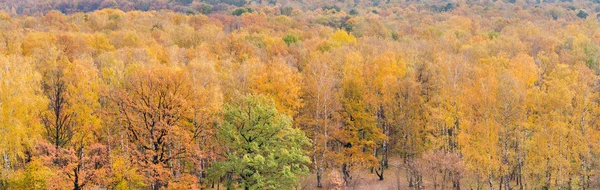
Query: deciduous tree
{"points": [[265, 151]]}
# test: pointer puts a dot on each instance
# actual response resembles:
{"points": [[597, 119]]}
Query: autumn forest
{"points": [[299, 94]]}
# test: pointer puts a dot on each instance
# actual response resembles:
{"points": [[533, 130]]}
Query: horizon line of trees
{"points": [[41, 7]]}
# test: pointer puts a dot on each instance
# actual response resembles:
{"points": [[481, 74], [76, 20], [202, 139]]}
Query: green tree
{"points": [[290, 39], [582, 14], [240, 11], [265, 152]]}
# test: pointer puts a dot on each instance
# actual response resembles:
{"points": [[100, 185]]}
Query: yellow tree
{"points": [[321, 83], [480, 136], [516, 84], [206, 101], [72, 89], [447, 101], [359, 136], [584, 134], [547, 162], [20, 100], [71, 118], [386, 72], [408, 135], [280, 82]]}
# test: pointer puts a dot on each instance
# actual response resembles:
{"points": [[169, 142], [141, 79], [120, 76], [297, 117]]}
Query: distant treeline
{"points": [[40, 7]]}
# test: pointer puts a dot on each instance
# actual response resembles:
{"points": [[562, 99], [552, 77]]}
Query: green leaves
{"points": [[240, 11], [290, 39], [265, 151]]}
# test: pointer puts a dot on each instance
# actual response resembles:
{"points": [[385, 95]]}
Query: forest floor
{"points": [[395, 177]]}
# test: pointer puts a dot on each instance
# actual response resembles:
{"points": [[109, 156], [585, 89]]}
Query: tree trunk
{"points": [[419, 181], [379, 172], [319, 185], [410, 179], [491, 182], [456, 181], [6, 163], [346, 173], [76, 180], [317, 167]]}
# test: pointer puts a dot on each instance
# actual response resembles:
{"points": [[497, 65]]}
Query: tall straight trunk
{"points": [[519, 163], [325, 136], [6, 166], [381, 120], [520, 172], [491, 181], [315, 161], [583, 157], [505, 160], [410, 177], [419, 181]]}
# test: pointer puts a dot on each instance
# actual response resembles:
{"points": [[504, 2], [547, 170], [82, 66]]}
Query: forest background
{"points": [[284, 94]]}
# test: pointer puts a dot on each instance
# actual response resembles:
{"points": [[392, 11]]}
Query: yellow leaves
{"points": [[178, 19], [83, 86], [208, 98], [558, 121], [388, 71], [4, 16], [283, 21], [125, 176], [342, 37], [256, 19], [280, 82], [558, 86], [493, 65], [20, 101], [354, 65], [122, 39], [37, 41], [359, 128], [524, 69], [212, 35], [73, 91], [353, 79], [159, 53], [56, 20], [460, 22], [100, 43], [337, 39], [35, 176], [353, 21], [383, 76], [184, 36], [467, 81], [275, 46], [111, 70]]}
